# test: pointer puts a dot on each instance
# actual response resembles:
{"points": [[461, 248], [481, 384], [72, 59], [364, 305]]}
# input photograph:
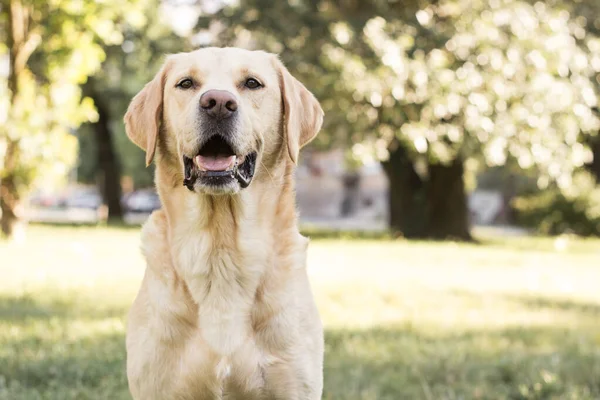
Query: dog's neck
{"points": [[228, 248]]}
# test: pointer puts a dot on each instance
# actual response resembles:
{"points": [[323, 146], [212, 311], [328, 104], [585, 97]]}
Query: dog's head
{"points": [[222, 114]]}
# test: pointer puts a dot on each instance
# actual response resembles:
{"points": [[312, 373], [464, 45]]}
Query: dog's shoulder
{"points": [[155, 227], [155, 243]]}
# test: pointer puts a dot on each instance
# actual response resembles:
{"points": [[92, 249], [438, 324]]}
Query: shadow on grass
{"points": [[537, 302], [533, 302], [61, 348], [113, 224], [385, 235], [48, 357], [59, 369], [404, 363], [27, 307], [320, 233]]}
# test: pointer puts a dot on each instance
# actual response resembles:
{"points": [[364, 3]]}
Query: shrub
{"points": [[555, 211]]}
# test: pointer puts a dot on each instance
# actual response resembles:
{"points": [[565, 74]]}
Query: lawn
{"points": [[515, 318]]}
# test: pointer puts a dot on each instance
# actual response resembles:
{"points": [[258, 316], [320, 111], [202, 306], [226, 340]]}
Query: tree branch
{"points": [[33, 41]]}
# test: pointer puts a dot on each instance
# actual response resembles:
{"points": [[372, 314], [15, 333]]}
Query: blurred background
{"points": [[452, 196]]}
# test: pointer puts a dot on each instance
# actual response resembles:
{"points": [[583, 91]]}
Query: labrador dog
{"points": [[225, 309]]}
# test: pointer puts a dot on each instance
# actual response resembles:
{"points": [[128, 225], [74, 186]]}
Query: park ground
{"points": [[508, 318]]}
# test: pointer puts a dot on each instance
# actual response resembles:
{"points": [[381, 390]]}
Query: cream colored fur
{"points": [[225, 310]]}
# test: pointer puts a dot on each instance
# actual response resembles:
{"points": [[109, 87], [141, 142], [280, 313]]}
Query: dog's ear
{"points": [[302, 113], [144, 114]]}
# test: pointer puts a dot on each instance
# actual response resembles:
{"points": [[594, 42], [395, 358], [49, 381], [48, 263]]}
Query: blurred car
{"points": [[142, 201], [45, 200], [83, 198]]}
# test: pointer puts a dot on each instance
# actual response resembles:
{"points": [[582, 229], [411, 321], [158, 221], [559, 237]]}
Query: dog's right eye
{"points": [[185, 83]]}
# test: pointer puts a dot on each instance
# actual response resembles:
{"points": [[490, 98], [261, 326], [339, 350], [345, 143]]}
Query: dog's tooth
{"points": [[233, 163]]}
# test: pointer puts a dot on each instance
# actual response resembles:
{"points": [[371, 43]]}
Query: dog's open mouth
{"points": [[217, 164]]}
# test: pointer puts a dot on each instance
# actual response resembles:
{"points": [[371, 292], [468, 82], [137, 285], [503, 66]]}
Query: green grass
{"points": [[514, 318]]}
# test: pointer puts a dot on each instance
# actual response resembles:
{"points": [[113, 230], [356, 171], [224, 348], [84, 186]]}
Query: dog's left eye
{"points": [[185, 83], [252, 83]]}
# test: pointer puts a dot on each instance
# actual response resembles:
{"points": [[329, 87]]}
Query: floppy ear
{"points": [[302, 113], [144, 115]]}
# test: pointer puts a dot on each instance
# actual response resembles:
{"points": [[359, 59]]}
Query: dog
{"points": [[225, 309]]}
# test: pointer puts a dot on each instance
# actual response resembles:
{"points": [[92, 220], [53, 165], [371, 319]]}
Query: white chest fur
{"points": [[222, 275]]}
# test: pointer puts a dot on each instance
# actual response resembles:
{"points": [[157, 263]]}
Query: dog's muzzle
{"points": [[218, 165]]}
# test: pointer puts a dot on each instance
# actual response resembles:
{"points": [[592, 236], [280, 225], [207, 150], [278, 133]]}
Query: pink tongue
{"points": [[219, 163]]}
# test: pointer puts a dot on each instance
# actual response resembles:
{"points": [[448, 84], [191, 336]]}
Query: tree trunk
{"points": [[9, 196], [406, 210], [20, 48], [447, 208], [351, 194], [594, 166], [110, 176]]}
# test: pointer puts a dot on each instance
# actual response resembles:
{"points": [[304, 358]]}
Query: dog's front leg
{"points": [[162, 324]]}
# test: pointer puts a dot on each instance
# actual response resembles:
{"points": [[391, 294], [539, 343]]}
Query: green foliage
{"points": [[554, 211], [490, 82], [510, 80], [127, 67], [65, 40]]}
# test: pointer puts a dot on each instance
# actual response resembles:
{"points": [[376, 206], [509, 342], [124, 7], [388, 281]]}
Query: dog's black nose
{"points": [[219, 104]]}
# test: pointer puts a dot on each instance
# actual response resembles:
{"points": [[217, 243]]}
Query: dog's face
{"points": [[223, 113]]}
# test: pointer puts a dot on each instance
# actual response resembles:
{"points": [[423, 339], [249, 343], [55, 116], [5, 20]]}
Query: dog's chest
{"points": [[222, 280]]}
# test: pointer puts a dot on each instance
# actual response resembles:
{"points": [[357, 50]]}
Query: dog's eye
{"points": [[185, 83], [252, 83]]}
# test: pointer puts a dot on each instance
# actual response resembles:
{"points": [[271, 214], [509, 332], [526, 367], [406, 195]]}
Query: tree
{"points": [[108, 166], [588, 13], [51, 47], [127, 67], [438, 89]]}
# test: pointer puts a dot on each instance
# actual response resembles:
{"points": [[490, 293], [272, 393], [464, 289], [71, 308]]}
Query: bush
{"points": [[554, 211]]}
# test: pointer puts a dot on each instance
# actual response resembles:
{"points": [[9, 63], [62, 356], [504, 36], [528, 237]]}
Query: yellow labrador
{"points": [[225, 310]]}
